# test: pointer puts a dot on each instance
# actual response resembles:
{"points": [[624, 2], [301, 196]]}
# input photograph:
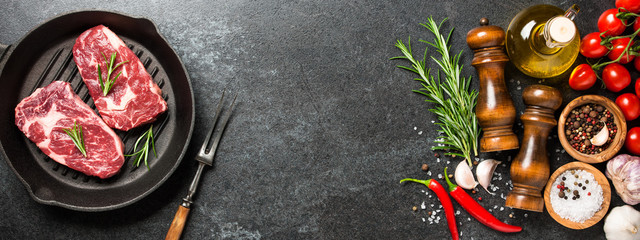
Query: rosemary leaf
{"points": [[143, 153], [453, 102], [77, 137], [107, 84]]}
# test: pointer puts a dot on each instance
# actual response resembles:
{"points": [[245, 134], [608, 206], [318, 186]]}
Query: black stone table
{"points": [[325, 128]]}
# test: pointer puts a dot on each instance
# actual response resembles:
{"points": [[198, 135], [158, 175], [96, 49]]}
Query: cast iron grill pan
{"points": [[45, 55]]}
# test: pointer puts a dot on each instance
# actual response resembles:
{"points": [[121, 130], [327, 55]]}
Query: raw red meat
{"points": [[135, 99], [43, 116]]}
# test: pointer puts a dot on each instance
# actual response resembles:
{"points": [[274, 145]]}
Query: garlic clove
{"points": [[484, 172], [464, 176], [622, 223], [601, 138]]}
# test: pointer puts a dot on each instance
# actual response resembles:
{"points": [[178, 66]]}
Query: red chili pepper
{"points": [[444, 200], [476, 210]]}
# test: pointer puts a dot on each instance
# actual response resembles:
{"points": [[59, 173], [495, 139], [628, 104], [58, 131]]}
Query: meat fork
{"points": [[205, 157]]}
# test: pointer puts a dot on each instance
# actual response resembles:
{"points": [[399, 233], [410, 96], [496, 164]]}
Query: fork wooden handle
{"points": [[175, 230]]}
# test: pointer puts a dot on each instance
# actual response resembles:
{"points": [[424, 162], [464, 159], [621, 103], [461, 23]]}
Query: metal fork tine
{"points": [[203, 149], [227, 115]]}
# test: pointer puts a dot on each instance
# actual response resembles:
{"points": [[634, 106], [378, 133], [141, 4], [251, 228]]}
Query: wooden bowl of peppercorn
{"points": [[582, 119], [600, 180]]}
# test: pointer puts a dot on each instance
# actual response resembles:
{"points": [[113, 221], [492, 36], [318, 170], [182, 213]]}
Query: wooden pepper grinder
{"points": [[495, 111], [530, 169]]}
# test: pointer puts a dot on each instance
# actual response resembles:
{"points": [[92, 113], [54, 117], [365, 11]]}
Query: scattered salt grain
{"points": [[423, 206], [420, 133], [415, 128], [501, 208]]}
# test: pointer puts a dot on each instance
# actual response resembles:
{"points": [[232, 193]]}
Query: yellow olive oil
{"points": [[538, 55]]}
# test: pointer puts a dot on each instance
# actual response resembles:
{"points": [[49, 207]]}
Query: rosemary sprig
{"points": [[108, 84], [143, 153], [77, 137], [458, 122]]}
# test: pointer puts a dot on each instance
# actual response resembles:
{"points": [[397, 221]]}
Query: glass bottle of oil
{"points": [[543, 41]]}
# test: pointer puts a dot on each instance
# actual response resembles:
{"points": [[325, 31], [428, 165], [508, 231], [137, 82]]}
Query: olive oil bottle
{"points": [[543, 41]]}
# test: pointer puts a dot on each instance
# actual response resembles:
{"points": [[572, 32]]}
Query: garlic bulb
{"points": [[464, 176], [624, 172], [601, 138], [484, 172], [622, 223]]}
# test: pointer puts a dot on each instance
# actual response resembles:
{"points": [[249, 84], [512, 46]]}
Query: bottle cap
{"points": [[561, 29]]}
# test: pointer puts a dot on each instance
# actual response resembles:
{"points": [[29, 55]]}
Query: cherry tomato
{"points": [[582, 78], [618, 48], [590, 46], [632, 142], [629, 103], [629, 5], [636, 63], [616, 77], [637, 87], [610, 23]]}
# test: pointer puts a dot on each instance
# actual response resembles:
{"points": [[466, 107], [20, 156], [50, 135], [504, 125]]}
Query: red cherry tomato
{"points": [[616, 77], [637, 87], [618, 48], [629, 103], [582, 78], [632, 142], [636, 63], [629, 5], [610, 23], [590, 46]]}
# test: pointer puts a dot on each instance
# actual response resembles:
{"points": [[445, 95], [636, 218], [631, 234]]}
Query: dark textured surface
{"points": [[325, 128]]}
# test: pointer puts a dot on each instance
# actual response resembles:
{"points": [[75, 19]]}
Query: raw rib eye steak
{"points": [[134, 99], [47, 111]]}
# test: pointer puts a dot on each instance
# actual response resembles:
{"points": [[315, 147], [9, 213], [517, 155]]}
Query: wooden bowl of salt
{"points": [[572, 197]]}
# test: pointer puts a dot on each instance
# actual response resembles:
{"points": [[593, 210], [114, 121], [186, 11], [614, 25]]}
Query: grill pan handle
{"points": [[4, 50]]}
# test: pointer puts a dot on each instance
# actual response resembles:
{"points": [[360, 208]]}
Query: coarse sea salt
{"points": [[577, 208]]}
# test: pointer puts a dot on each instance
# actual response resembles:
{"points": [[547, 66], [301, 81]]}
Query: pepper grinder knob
{"points": [[495, 110], [530, 168]]}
